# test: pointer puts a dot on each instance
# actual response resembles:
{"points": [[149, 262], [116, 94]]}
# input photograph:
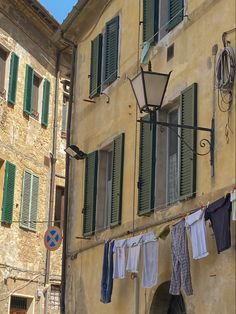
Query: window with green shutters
{"points": [[13, 79], [29, 203], [28, 94], [176, 13], [95, 66], [187, 157], [90, 193], [147, 155], [150, 20], [110, 51], [45, 105], [8, 193]]}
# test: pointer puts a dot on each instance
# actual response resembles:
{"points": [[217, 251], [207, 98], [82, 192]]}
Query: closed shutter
{"points": [[189, 137], [45, 107], [29, 205], [117, 179], [29, 79], [176, 13], [13, 79], [90, 193], [8, 194], [147, 164], [150, 20], [111, 51], [95, 66]]}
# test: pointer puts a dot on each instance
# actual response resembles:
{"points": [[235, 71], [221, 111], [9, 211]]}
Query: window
{"points": [[21, 305], [65, 107], [104, 58], [29, 202], [3, 59], [59, 206], [103, 187], [13, 79], [36, 93], [7, 194], [167, 166], [55, 297], [159, 17]]}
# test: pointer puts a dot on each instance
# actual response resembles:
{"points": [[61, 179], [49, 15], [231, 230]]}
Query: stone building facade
{"points": [[137, 177], [28, 98]]}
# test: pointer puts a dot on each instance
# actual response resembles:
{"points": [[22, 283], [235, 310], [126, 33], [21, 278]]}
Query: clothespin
{"points": [[208, 203]]}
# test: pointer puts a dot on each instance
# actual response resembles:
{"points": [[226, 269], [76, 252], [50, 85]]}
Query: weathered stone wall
{"points": [[96, 124], [25, 143]]}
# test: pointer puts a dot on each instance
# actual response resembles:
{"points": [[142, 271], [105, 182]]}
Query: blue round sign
{"points": [[52, 238]]}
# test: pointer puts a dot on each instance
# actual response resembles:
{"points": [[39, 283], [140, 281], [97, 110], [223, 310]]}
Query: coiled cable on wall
{"points": [[225, 70]]}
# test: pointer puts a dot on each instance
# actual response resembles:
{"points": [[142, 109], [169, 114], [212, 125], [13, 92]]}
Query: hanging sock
{"points": [[119, 259], [134, 252], [197, 227], [219, 215], [233, 201], [181, 276], [150, 260]]}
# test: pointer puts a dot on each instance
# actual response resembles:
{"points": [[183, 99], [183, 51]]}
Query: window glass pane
{"points": [[3, 58], [35, 100], [64, 114]]}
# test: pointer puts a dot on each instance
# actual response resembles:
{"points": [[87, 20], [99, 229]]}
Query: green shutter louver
{"points": [[45, 106], [28, 94], [187, 157], [111, 45], [13, 79], [147, 157], [150, 20], [90, 193], [29, 205], [117, 179], [8, 193], [95, 66], [176, 13]]}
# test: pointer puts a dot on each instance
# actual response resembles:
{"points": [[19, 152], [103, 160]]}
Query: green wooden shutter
{"points": [[13, 79], [90, 193], [147, 156], [8, 194], [150, 20], [45, 106], [26, 199], [117, 179], [187, 157], [34, 201], [111, 45], [176, 13], [28, 95], [95, 66]]}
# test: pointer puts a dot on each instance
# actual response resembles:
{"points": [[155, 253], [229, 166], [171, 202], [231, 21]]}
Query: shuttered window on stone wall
{"points": [[110, 51], [117, 179], [189, 137], [150, 20], [176, 13], [8, 192], [147, 155], [90, 193], [95, 66], [28, 94], [45, 105], [13, 79], [29, 203]]}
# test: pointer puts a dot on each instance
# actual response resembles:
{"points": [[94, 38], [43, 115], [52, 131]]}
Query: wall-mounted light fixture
{"points": [[74, 152]]}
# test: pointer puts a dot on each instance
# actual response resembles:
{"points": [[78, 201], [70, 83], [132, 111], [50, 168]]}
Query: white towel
{"points": [[134, 252]]}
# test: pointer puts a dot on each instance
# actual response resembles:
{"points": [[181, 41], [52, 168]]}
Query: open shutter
{"points": [[90, 193], [176, 13], [26, 199], [189, 137], [95, 66], [111, 51], [117, 179], [13, 79], [147, 156], [45, 107], [29, 78], [8, 194], [150, 20], [34, 201]]}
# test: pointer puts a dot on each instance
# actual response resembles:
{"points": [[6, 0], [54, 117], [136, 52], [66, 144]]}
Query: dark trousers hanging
{"points": [[107, 272]]}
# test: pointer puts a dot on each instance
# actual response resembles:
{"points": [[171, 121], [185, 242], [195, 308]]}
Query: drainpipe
{"points": [[53, 172], [66, 197]]}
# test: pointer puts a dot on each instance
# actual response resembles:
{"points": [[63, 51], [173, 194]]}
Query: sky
{"points": [[58, 8]]}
